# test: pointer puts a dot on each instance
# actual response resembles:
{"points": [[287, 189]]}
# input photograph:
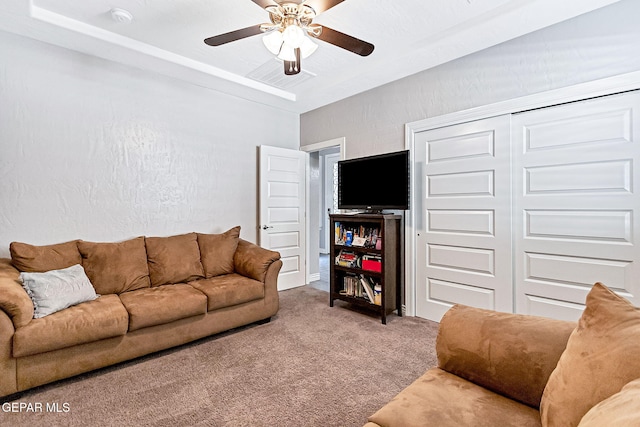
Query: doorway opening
{"points": [[322, 180]]}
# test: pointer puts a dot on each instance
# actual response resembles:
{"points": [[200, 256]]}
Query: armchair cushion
{"points": [[439, 398], [510, 354], [217, 250], [116, 267], [600, 358], [174, 259], [38, 259], [621, 409]]}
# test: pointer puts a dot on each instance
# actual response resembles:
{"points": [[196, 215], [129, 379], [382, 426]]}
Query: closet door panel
{"points": [[463, 233], [576, 207]]}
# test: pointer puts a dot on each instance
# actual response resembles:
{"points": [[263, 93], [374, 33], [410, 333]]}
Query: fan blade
{"points": [[320, 6], [344, 41], [233, 36], [263, 3]]}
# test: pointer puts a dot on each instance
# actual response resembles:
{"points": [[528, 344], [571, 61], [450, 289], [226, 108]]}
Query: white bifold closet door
{"points": [[576, 203], [463, 217]]}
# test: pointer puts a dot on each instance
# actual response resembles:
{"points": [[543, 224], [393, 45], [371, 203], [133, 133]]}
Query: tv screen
{"points": [[374, 182]]}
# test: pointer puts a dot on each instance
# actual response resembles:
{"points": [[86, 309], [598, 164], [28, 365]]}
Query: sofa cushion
{"points": [[217, 250], [228, 290], [38, 259], [174, 259], [600, 358], [162, 304], [621, 409], [116, 267], [441, 399], [56, 290], [104, 317]]}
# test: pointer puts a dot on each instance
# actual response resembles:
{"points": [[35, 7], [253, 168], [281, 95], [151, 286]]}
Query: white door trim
{"points": [[602, 87], [337, 142], [328, 182]]}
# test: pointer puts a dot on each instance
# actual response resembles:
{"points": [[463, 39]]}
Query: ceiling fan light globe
{"points": [[293, 36], [273, 42], [307, 47], [287, 53]]}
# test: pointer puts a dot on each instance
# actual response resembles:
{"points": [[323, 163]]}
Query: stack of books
{"points": [[361, 286], [348, 259]]}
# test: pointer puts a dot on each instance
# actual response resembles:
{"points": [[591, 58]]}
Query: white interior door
{"points": [[282, 210], [463, 219], [577, 207]]}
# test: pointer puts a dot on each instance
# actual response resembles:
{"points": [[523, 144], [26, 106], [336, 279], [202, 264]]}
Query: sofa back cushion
{"points": [[174, 259], [114, 268], [38, 259], [217, 250], [600, 358]]}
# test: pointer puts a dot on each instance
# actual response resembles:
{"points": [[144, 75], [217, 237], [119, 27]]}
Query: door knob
{"points": [[264, 227]]}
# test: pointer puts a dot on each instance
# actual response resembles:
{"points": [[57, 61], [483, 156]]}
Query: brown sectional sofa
{"points": [[499, 369], [154, 293]]}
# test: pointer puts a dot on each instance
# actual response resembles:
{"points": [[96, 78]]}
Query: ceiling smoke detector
{"points": [[121, 16]]}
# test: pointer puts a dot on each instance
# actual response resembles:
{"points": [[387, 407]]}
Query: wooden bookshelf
{"points": [[366, 269]]}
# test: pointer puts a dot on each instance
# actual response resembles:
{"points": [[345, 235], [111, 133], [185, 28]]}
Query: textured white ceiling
{"points": [[167, 36]]}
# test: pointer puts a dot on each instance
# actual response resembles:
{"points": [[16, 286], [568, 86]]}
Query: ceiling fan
{"points": [[291, 23]]}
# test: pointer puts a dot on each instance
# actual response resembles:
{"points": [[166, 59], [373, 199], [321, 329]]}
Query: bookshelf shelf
{"points": [[367, 272]]}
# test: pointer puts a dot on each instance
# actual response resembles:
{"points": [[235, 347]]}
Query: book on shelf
{"points": [[362, 236], [367, 288], [372, 263], [348, 259], [359, 241], [351, 286]]}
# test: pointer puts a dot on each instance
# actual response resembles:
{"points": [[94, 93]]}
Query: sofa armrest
{"points": [[14, 300], [252, 260], [8, 379], [510, 354]]}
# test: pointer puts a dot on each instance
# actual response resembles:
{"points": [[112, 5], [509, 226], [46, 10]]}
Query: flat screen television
{"points": [[374, 183]]}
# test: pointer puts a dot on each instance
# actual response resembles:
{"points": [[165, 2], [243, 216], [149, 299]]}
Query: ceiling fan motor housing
{"points": [[288, 13]]}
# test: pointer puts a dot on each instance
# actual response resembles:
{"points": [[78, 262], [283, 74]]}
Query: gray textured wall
{"points": [[599, 44], [95, 150]]}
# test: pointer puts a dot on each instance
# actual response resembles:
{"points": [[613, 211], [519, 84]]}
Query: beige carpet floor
{"points": [[312, 365]]}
